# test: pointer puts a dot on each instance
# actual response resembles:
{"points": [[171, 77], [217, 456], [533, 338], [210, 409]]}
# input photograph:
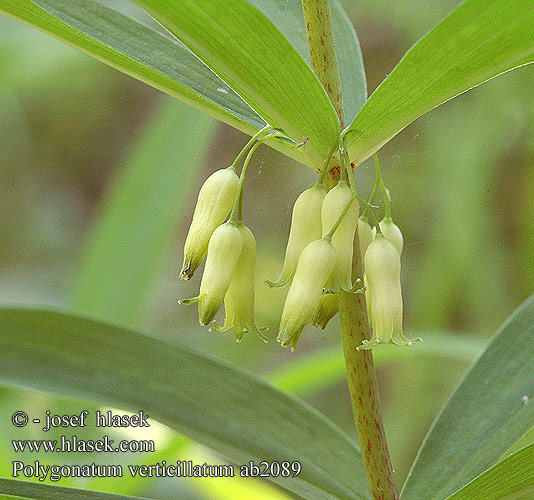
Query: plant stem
{"points": [[322, 51], [363, 390], [323, 60], [352, 310]]}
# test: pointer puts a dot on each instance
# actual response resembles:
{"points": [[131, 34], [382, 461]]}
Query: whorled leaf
{"points": [[478, 41], [489, 411], [235, 413], [245, 49]]}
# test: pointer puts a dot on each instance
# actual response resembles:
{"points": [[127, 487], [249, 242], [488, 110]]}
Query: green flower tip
{"points": [[328, 308]]}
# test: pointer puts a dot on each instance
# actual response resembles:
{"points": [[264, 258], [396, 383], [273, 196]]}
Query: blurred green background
{"points": [[74, 133]]}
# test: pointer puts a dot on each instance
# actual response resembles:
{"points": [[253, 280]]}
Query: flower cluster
{"points": [[230, 252], [318, 260]]}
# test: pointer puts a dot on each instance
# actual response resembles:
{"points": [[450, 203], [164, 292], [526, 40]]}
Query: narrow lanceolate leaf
{"points": [[511, 479], [143, 53], [489, 411], [38, 491], [288, 18], [243, 47], [236, 414], [140, 213], [478, 41]]}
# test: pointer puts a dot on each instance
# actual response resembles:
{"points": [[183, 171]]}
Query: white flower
{"points": [[334, 204], [305, 228], [382, 269], [392, 232], [239, 299], [366, 235], [314, 267], [215, 200], [224, 249]]}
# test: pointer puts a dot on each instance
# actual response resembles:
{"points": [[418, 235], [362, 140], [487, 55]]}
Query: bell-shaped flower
{"points": [[366, 235], [239, 299], [334, 204], [382, 269], [215, 200], [224, 249], [305, 228], [392, 232], [315, 265], [327, 309], [367, 299]]}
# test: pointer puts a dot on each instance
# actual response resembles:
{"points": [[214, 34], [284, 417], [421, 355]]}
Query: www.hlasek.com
{"points": [[162, 469]]}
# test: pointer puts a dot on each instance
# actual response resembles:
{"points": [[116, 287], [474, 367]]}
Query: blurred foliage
{"points": [[461, 178]]}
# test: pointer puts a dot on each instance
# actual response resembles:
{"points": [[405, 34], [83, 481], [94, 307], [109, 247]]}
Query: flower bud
{"points": [[392, 232], [366, 235], [239, 299], [326, 310], [314, 267], [305, 228], [224, 250], [334, 204], [215, 200], [382, 269]]}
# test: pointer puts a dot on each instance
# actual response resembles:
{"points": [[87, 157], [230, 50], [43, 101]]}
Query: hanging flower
{"points": [[327, 309], [366, 235], [392, 232], [224, 249], [334, 205], [305, 228], [382, 266], [314, 267], [215, 200], [239, 299]]}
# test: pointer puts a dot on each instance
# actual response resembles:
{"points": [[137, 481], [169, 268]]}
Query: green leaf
{"points": [[525, 440], [288, 17], [511, 479], [143, 53], [489, 411], [478, 41], [37, 491], [236, 414], [243, 47], [317, 370], [139, 214]]}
